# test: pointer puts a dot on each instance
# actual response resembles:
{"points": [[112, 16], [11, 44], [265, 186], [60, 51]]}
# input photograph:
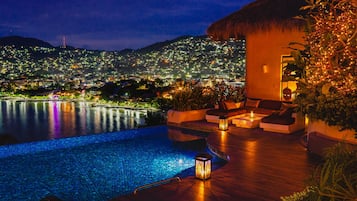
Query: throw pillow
{"points": [[240, 104], [230, 105], [251, 103]]}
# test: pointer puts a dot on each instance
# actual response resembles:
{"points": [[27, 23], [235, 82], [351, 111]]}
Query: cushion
{"points": [[287, 112], [263, 111], [230, 105], [240, 104], [287, 105], [276, 119], [226, 113], [251, 109], [252, 102], [235, 112], [216, 112], [270, 104]]}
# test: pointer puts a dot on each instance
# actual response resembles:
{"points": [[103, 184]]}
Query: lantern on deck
{"points": [[223, 123], [203, 166]]}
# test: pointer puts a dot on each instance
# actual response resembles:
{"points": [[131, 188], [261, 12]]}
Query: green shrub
{"points": [[198, 97], [324, 103], [193, 99], [335, 179]]}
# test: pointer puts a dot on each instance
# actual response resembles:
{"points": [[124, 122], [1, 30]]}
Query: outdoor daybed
{"points": [[286, 121], [278, 117]]}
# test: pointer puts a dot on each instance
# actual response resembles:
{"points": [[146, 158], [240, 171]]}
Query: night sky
{"points": [[111, 24]]}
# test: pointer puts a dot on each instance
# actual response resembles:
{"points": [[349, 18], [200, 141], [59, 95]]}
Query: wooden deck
{"points": [[263, 166]]}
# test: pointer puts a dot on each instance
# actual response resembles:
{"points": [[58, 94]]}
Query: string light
{"points": [[333, 45]]}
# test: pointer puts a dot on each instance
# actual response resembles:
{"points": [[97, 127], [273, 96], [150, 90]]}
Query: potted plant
{"points": [[190, 104]]}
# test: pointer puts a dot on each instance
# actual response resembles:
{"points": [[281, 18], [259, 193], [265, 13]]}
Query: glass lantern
{"points": [[223, 123], [203, 166]]}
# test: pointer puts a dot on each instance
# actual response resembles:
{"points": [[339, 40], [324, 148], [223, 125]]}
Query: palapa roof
{"points": [[259, 15]]}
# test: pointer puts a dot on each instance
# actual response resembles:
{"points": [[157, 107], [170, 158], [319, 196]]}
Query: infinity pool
{"points": [[95, 167]]}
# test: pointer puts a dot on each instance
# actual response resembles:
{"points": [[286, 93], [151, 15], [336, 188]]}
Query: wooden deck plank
{"points": [[263, 166]]}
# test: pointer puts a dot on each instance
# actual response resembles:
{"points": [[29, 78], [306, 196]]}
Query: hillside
{"points": [[19, 41], [184, 57], [157, 46]]}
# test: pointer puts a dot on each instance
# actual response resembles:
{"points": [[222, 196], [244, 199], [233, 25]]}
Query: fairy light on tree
{"points": [[328, 89], [332, 42]]}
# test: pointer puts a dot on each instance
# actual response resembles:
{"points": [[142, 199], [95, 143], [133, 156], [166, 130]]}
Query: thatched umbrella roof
{"points": [[259, 15]]}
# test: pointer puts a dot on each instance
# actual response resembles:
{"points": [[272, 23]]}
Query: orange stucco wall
{"points": [[266, 48]]}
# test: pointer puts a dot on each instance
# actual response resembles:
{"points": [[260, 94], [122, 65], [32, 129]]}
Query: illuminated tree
{"points": [[329, 89], [332, 41]]}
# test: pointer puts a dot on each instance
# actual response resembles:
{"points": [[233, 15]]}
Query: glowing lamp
{"points": [[223, 123], [251, 114], [203, 166], [287, 93], [265, 68]]}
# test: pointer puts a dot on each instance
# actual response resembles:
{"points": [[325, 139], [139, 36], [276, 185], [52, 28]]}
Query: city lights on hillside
{"points": [[188, 58]]}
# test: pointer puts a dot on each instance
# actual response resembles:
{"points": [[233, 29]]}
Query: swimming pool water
{"points": [[96, 167]]}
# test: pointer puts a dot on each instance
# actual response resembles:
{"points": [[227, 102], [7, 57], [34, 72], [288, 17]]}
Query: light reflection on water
{"points": [[43, 120]]}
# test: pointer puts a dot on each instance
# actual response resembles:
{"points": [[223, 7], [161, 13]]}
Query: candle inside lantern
{"points": [[223, 123]]}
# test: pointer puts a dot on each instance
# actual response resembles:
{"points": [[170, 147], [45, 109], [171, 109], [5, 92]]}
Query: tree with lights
{"points": [[328, 90]]}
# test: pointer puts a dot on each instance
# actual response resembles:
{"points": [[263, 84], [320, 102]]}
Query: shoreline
{"points": [[93, 103]]}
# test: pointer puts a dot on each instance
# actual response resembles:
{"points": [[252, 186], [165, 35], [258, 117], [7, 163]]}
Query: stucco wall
{"points": [[267, 48]]}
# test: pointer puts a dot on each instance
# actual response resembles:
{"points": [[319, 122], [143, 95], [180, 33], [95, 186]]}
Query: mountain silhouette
{"points": [[157, 46], [19, 41]]}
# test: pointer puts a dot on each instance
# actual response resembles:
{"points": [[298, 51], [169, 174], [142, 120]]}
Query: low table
{"points": [[247, 121]]}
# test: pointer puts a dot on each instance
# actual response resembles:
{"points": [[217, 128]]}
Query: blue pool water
{"points": [[95, 167]]}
